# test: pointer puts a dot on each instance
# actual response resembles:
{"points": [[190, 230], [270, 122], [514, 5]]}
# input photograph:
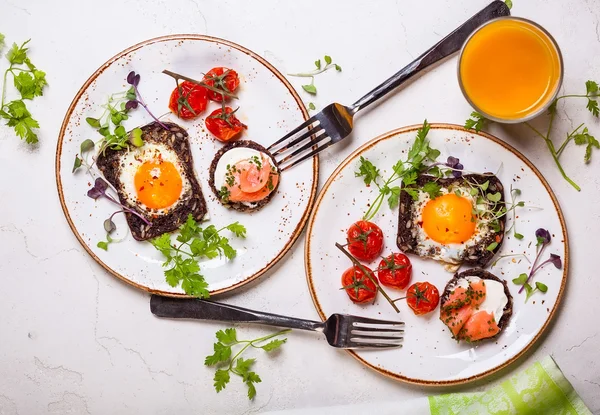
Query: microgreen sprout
{"points": [[543, 239], [100, 190], [134, 99], [320, 68], [509, 256]]}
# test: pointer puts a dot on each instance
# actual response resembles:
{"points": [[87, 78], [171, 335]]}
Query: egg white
{"points": [[452, 253], [130, 161]]}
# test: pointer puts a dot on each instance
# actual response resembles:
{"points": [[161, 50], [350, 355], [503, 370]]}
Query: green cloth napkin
{"points": [[539, 389]]}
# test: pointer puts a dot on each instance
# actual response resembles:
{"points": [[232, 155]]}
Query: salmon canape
{"points": [[476, 305], [244, 176]]}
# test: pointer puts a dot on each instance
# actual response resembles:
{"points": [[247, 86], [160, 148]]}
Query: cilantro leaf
{"points": [[20, 119], [242, 366], [590, 142], [17, 54], [221, 379], [367, 171], [238, 229], [394, 198], [410, 178], [25, 85], [163, 244], [412, 192], [273, 344], [195, 285], [477, 122], [591, 88], [227, 336], [433, 189], [592, 106], [221, 354]]}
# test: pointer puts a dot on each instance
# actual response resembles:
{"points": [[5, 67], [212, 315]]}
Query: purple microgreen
{"points": [[109, 225], [543, 239], [455, 165], [131, 77], [141, 102], [131, 105], [99, 189]]}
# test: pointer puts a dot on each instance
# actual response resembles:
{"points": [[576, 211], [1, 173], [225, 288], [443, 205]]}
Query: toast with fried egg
{"points": [[157, 180], [454, 227]]}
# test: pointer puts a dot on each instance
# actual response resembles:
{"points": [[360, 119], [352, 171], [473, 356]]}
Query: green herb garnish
{"points": [[193, 243], [29, 82], [226, 339], [583, 138], [311, 88], [407, 171]]}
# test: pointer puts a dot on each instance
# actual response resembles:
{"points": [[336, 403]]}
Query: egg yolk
{"points": [[449, 219], [158, 184]]}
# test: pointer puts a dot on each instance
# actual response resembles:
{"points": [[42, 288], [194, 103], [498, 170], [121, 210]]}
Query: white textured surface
{"points": [[76, 340]]}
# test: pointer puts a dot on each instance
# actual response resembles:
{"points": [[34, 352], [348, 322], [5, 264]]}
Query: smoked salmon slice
{"points": [[480, 325], [461, 307]]}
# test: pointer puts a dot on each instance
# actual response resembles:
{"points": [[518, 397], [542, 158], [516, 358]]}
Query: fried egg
{"points": [[446, 226], [153, 178]]}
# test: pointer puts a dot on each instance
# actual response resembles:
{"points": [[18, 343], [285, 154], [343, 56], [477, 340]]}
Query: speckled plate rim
{"points": [[299, 228], [438, 126]]}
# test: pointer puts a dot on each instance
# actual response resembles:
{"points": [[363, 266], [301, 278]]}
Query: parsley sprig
{"points": [[580, 136], [194, 242], [226, 340], [407, 171], [320, 68], [29, 82]]}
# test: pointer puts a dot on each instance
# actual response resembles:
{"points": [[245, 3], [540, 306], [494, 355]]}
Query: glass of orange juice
{"points": [[510, 69]]}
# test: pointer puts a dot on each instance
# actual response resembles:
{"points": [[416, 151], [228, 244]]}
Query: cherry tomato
{"points": [[394, 271], [422, 297], [365, 240], [223, 124], [188, 100], [223, 79], [358, 286]]}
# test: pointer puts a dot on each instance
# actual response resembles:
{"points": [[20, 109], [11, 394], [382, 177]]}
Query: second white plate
{"points": [[429, 355]]}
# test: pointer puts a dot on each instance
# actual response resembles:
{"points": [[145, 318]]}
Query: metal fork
{"points": [[341, 330], [335, 121]]}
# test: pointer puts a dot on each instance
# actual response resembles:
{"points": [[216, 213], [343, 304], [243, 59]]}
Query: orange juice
{"points": [[510, 69]]}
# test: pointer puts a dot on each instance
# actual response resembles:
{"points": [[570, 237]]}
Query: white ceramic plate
{"points": [[429, 355], [268, 105]]}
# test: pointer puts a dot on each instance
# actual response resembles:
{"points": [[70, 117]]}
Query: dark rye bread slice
{"points": [[213, 166], [192, 202], [477, 255], [484, 275]]}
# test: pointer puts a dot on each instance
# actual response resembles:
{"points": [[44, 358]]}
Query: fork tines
{"points": [[303, 142], [369, 333]]}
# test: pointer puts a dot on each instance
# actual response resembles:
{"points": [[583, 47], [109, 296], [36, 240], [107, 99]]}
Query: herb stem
{"points": [[364, 270], [177, 77], [550, 146], [312, 74], [140, 101], [568, 139]]}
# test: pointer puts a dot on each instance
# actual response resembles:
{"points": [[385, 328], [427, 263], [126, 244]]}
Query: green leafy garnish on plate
{"points": [[194, 243]]}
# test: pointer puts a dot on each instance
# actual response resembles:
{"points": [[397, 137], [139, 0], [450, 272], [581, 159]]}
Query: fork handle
{"points": [[444, 48], [210, 310]]}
